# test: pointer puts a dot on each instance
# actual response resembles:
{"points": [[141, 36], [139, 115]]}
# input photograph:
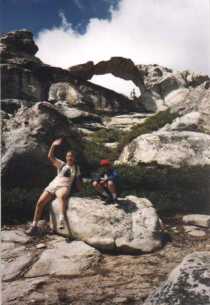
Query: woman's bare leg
{"points": [[62, 194], [42, 201]]}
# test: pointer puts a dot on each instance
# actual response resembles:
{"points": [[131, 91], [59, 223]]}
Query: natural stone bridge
{"points": [[118, 66]]}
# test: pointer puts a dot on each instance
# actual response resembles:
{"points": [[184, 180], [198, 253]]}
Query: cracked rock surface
{"points": [[188, 283], [71, 272], [130, 226]]}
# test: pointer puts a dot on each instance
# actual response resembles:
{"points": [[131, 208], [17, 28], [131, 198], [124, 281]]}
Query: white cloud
{"points": [[65, 25], [172, 33]]}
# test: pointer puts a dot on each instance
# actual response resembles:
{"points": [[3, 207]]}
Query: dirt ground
{"points": [[119, 279]]}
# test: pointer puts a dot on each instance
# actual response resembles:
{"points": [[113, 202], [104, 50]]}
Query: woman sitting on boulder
{"points": [[60, 187], [105, 182]]}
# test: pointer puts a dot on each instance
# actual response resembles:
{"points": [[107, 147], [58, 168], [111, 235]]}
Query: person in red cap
{"points": [[105, 183]]}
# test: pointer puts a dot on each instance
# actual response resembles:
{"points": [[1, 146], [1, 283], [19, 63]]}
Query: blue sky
{"points": [[37, 15]]}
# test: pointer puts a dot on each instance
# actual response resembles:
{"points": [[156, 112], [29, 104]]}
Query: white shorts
{"points": [[58, 183]]}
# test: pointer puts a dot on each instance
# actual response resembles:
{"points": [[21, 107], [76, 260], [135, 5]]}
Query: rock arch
{"points": [[118, 66]]}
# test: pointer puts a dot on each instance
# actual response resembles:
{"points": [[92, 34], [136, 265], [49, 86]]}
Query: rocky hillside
{"points": [[159, 142]]}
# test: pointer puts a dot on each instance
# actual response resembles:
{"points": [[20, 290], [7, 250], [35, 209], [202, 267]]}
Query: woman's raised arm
{"points": [[56, 162]]}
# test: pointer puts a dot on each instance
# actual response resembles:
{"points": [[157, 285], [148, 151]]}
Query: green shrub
{"points": [[107, 135], [18, 204], [93, 152], [155, 176], [151, 124], [169, 189], [87, 190], [94, 149]]}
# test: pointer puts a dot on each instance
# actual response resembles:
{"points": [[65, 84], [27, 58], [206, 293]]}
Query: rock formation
{"points": [[155, 82], [197, 220], [90, 97], [172, 162], [25, 77], [82, 106], [118, 66], [25, 143], [174, 149], [131, 226], [187, 284], [162, 138]]}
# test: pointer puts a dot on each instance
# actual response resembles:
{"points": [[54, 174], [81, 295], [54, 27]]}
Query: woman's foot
{"points": [[33, 231]]}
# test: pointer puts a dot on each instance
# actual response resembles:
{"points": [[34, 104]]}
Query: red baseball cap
{"points": [[105, 162]]}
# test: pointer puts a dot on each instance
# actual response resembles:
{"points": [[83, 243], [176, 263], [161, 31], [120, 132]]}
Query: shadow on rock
{"points": [[127, 206]]}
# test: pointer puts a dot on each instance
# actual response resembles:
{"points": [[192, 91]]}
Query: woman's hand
{"points": [[56, 162], [57, 142], [103, 182]]}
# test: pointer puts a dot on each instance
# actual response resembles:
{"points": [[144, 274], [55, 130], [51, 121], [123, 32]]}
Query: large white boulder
{"points": [[131, 226], [175, 149], [25, 143], [188, 122]]}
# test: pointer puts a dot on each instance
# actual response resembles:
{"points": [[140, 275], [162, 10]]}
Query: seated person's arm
{"points": [[79, 184]]}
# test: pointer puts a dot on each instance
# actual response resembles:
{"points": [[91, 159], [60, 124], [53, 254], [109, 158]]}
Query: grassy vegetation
{"points": [[155, 176], [95, 145], [151, 124], [94, 150], [170, 190], [107, 135]]}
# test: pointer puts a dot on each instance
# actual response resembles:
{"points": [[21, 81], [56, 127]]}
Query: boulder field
{"points": [[150, 248]]}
